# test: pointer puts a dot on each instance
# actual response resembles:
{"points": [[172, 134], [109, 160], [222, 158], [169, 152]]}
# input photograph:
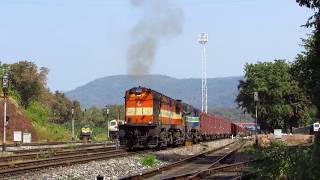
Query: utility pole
{"points": [[72, 118], [5, 88], [107, 120], [256, 100], [203, 39]]}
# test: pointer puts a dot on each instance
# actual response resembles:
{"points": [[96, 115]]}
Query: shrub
{"points": [[279, 161], [149, 160], [45, 154], [37, 113], [45, 131], [99, 134], [52, 132]]}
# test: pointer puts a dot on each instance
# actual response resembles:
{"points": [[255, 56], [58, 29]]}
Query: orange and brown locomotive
{"points": [[153, 119]]}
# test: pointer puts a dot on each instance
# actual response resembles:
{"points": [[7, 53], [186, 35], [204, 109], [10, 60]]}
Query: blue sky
{"points": [[81, 40]]}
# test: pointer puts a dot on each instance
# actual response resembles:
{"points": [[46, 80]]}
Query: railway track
{"points": [[233, 171], [191, 166], [47, 152], [62, 159], [68, 146]]}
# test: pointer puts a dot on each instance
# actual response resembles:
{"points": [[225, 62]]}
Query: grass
{"points": [[99, 134], [45, 130], [51, 132]]}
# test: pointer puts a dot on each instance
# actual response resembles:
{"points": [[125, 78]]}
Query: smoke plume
{"points": [[162, 20]]}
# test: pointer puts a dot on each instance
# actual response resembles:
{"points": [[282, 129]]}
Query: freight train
{"points": [[153, 120]]}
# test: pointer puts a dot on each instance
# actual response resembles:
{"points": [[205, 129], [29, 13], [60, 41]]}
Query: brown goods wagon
{"points": [[234, 129], [228, 127], [208, 125], [224, 126]]}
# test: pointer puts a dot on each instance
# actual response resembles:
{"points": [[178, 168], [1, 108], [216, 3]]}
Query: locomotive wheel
{"points": [[163, 139], [170, 139]]}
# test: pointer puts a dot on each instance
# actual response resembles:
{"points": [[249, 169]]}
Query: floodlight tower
{"points": [[203, 39]]}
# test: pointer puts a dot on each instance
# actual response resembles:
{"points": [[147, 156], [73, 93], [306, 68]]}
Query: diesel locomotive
{"points": [[153, 119]]}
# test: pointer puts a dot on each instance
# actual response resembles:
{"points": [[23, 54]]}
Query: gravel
{"points": [[121, 166]]}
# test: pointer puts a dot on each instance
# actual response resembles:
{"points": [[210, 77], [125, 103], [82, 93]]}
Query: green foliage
{"points": [[28, 81], [15, 95], [314, 20], [282, 104], [306, 68], [99, 134], [52, 132], [148, 160], [115, 111], [46, 131], [279, 161], [60, 108], [45, 154], [37, 113]]}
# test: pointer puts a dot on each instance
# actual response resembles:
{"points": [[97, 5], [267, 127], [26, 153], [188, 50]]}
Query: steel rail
{"points": [[154, 172], [57, 158], [192, 175], [218, 162], [22, 167], [55, 152], [229, 167], [23, 151]]}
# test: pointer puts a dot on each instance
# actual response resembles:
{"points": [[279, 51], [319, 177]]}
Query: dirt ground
{"points": [[17, 121], [291, 140]]}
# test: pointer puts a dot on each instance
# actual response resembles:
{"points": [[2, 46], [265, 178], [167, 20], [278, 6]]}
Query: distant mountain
{"points": [[110, 90]]}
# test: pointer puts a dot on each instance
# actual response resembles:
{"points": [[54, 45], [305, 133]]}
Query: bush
{"points": [[149, 160], [37, 113], [99, 134], [279, 161], [52, 132], [46, 131]]}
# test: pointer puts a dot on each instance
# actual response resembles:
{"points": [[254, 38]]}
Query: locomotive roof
{"points": [[183, 103], [152, 91]]}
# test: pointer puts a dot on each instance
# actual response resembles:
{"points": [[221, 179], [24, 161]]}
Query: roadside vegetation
{"points": [[279, 161], [51, 112], [289, 96]]}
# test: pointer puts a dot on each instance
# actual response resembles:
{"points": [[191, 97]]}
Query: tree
{"points": [[77, 110], [307, 65], [314, 20], [282, 104], [28, 81], [61, 108], [94, 117]]}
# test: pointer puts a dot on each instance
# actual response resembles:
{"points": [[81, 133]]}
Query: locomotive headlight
{"points": [[150, 122]]}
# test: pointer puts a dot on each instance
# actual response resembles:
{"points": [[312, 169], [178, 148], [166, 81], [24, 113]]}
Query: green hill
{"points": [[110, 90]]}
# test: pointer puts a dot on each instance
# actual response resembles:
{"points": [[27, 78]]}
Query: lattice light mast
{"points": [[203, 39]]}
